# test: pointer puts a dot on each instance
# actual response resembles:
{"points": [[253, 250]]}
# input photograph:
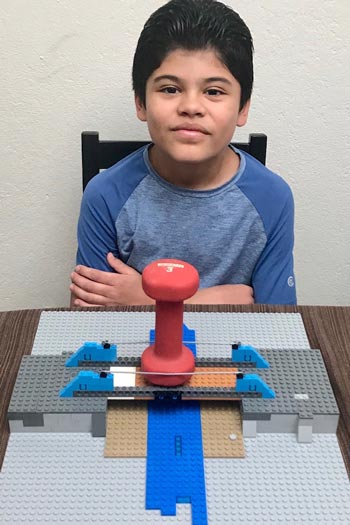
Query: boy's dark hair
{"points": [[194, 25]]}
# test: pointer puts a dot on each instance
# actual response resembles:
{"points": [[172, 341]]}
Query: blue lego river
{"points": [[175, 464]]}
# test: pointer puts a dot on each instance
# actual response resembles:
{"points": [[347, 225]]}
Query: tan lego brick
{"points": [[202, 380], [221, 421], [126, 431]]}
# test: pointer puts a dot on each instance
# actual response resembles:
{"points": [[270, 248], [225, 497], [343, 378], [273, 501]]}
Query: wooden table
{"points": [[327, 327]]}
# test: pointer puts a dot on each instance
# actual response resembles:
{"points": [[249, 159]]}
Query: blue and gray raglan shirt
{"points": [[238, 233]]}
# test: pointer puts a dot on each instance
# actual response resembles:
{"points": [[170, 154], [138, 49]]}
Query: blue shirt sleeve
{"points": [[273, 278], [103, 198], [96, 231]]}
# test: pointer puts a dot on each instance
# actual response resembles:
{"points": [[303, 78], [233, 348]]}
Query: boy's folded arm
{"points": [[223, 294], [91, 287]]}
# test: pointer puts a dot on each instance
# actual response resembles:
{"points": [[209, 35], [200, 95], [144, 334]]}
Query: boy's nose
{"points": [[190, 104]]}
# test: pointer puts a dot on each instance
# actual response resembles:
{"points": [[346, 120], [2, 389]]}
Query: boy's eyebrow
{"points": [[166, 77], [174, 78], [218, 79]]}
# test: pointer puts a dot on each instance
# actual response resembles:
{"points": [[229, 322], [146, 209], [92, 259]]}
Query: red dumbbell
{"points": [[169, 282]]}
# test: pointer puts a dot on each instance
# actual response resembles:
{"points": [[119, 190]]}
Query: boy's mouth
{"points": [[191, 129]]}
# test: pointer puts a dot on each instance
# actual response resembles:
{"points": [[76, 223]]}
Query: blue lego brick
{"points": [[248, 354], [91, 351], [253, 383], [90, 382], [188, 338], [175, 467]]}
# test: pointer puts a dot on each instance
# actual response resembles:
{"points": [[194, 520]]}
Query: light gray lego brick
{"points": [[305, 430], [60, 332], [56, 423], [291, 423], [64, 478], [300, 381], [249, 428], [261, 330], [38, 384], [66, 331], [59, 478], [280, 423], [280, 481]]}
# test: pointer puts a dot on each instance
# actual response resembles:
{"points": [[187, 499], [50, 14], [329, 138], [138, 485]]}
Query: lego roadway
{"points": [[290, 471]]}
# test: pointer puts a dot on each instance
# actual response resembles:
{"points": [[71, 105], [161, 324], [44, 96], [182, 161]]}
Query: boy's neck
{"points": [[207, 175]]}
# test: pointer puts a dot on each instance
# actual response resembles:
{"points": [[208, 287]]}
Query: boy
{"points": [[189, 195]]}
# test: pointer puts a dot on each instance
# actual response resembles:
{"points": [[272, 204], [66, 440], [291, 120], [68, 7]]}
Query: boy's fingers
{"points": [[80, 302], [86, 290], [87, 285], [119, 266], [115, 263], [86, 297], [97, 276]]}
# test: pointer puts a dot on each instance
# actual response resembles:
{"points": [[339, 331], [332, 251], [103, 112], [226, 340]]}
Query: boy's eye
{"points": [[214, 92], [169, 89]]}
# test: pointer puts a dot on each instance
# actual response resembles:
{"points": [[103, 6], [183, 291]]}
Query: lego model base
{"points": [[304, 402], [64, 477]]}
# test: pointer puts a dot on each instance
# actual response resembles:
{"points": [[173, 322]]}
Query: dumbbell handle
{"points": [[168, 333]]}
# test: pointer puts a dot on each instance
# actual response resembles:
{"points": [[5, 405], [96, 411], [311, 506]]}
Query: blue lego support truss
{"points": [[253, 383], [248, 354], [88, 381], [91, 351]]}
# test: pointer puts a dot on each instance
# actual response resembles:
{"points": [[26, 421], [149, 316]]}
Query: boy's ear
{"points": [[140, 109], [243, 114]]}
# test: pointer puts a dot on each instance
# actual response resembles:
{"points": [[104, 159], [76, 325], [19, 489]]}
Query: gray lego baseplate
{"points": [[298, 377], [64, 478], [60, 332]]}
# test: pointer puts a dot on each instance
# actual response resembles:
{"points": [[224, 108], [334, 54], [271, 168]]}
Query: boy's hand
{"points": [[92, 287]]}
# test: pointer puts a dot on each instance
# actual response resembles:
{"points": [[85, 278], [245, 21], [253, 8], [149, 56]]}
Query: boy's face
{"points": [[192, 107]]}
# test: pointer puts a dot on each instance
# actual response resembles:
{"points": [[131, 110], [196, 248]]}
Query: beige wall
{"points": [[65, 67]]}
